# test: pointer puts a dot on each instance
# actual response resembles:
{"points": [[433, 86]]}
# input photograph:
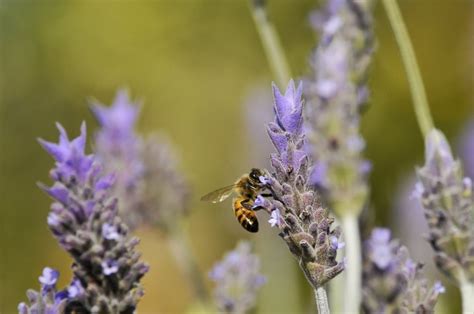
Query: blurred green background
{"points": [[194, 63]]}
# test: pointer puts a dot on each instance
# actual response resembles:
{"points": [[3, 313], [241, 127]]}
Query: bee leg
{"points": [[266, 194], [246, 203], [249, 205]]}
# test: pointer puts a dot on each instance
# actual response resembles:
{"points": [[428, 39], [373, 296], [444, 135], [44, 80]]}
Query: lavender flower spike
{"points": [[392, 282], [447, 198], [337, 92], [304, 225], [237, 279], [148, 184], [118, 147], [84, 220]]}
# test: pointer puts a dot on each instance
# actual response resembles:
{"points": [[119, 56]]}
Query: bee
{"points": [[247, 188]]}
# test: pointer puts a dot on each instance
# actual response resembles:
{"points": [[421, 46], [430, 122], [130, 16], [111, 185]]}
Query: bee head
{"points": [[255, 174]]}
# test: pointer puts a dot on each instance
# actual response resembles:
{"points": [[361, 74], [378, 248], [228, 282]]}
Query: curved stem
{"points": [[321, 300], [186, 262], [271, 43], [467, 294], [352, 286], [420, 101]]}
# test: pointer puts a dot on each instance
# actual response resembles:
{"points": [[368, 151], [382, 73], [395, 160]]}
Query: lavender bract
{"points": [[84, 220], [295, 209], [447, 198], [148, 183], [392, 282], [336, 92], [238, 279]]}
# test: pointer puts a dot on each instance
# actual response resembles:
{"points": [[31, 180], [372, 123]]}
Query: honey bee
{"points": [[247, 188]]}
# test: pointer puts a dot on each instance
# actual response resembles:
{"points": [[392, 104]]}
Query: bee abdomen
{"points": [[246, 217]]}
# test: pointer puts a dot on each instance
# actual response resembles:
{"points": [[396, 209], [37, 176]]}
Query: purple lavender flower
{"points": [[238, 279], [447, 198], [48, 301], [336, 92], [84, 220], [392, 282], [295, 209], [148, 185], [49, 278]]}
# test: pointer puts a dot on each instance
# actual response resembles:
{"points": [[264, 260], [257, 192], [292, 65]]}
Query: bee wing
{"points": [[219, 195]]}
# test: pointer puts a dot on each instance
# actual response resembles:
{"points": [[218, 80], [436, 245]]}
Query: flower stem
{"points": [[186, 262], [322, 301], [271, 43], [352, 286], [418, 93], [467, 294]]}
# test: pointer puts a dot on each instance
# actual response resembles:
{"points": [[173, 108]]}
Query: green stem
{"points": [[420, 101], [271, 43], [186, 262], [352, 285], [467, 294], [321, 301]]}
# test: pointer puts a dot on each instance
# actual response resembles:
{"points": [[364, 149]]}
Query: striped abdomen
{"points": [[246, 217]]}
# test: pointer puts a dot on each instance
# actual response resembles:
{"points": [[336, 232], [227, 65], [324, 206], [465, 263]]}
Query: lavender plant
{"points": [[392, 282], [148, 182], [295, 208], [84, 219], [447, 198], [237, 280], [336, 93]]}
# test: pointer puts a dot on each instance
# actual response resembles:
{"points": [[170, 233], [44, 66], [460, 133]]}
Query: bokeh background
{"points": [[201, 71]]}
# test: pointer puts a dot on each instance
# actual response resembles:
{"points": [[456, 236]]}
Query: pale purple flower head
{"points": [[446, 196], [391, 280], [381, 254], [336, 91], [84, 220], [295, 208], [150, 189], [110, 232], [238, 280], [75, 289], [109, 267], [49, 278], [275, 218]]}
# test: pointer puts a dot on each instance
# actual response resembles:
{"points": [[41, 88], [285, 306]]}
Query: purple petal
{"points": [[109, 267], [439, 288], [105, 182], [279, 138], [59, 193], [49, 277], [53, 149]]}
